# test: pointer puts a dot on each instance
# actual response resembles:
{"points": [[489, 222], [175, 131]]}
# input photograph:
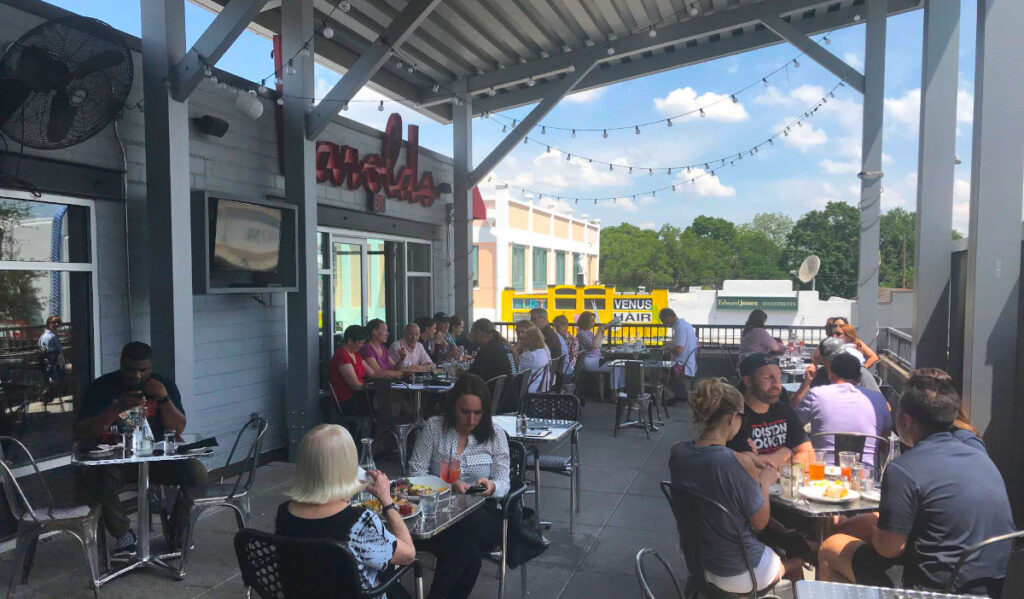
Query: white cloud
{"points": [[964, 106], [648, 225], [733, 69], [961, 204], [685, 99], [704, 184], [906, 110], [854, 60], [551, 171], [803, 137], [834, 167], [586, 96], [625, 204]]}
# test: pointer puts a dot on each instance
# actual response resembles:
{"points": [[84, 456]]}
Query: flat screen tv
{"points": [[246, 237]]}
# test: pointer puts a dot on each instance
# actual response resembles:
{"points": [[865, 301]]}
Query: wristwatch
{"points": [[390, 506], [161, 400]]}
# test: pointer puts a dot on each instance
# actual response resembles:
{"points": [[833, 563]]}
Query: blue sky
{"points": [[816, 164]]}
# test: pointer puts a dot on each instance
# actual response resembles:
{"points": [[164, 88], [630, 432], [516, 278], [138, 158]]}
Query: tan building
{"points": [[527, 247]]}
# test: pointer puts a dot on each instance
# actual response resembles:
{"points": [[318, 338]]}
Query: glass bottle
{"points": [[366, 461]]}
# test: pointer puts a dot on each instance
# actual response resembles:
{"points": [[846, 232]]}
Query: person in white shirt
{"points": [[535, 356], [683, 351], [408, 354]]}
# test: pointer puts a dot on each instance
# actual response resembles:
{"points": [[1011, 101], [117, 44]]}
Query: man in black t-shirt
{"points": [[103, 405], [939, 498], [771, 428], [495, 357]]}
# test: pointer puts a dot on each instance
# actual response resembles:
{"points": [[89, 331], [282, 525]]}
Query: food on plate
{"points": [[835, 491], [404, 507], [417, 490]]}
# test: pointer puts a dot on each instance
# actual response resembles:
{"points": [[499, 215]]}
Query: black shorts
{"points": [[869, 567]]}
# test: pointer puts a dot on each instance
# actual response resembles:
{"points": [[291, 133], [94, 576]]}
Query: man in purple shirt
{"points": [[841, 406]]}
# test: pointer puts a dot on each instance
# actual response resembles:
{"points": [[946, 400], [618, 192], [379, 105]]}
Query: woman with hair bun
{"points": [[709, 468]]}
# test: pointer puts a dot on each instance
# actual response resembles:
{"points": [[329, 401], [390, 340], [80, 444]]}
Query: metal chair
{"points": [[517, 474], [496, 386], [512, 393], [279, 567], [645, 589], [581, 375], [539, 376], [1013, 584], [362, 424], [227, 495], [80, 521], [633, 396], [556, 406], [385, 422], [855, 442], [686, 504]]}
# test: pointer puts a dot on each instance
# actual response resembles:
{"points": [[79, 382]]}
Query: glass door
{"points": [[348, 293]]}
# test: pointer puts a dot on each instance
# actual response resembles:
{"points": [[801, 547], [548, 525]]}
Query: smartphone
{"points": [[476, 489]]}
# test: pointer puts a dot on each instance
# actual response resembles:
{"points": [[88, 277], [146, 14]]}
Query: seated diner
{"points": [[347, 374], [376, 357]]}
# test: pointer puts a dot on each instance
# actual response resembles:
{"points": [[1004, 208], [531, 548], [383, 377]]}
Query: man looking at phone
{"points": [[105, 404]]}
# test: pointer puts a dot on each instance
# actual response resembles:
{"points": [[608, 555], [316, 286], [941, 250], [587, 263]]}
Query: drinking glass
{"points": [[170, 440], [816, 470], [786, 480], [847, 460], [428, 503], [110, 435], [866, 478]]}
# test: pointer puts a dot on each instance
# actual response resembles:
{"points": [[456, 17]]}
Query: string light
{"points": [[796, 63], [380, 107], [668, 122], [327, 32], [638, 129]]}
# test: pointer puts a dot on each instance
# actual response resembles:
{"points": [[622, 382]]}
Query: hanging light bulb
{"points": [[668, 122], [399, 64], [605, 134], [687, 170], [799, 124], [637, 130], [734, 99], [304, 52], [525, 139], [796, 63], [289, 69], [573, 133], [631, 170], [548, 151], [693, 181], [650, 172], [207, 71], [568, 157], [611, 51], [694, 9], [705, 166], [669, 171], [673, 187], [827, 41], [764, 80], [609, 166], [771, 141], [702, 115], [380, 107], [571, 69], [504, 128], [543, 130], [786, 132], [436, 87], [328, 32], [278, 82], [491, 92], [344, 6], [344, 106], [280, 101], [263, 87], [530, 82], [739, 156], [653, 32]]}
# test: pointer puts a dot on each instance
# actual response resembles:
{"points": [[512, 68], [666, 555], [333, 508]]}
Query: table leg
{"points": [[142, 546]]}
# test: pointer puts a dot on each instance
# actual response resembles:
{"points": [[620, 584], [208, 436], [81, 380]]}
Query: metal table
{"points": [[659, 386], [460, 507], [823, 512], [558, 430], [143, 558], [402, 431], [815, 589]]}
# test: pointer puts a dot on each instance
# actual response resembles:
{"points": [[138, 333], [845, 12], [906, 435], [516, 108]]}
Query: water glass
{"points": [[428, 503], [786, 480], [170, 440], [847, 460], [866, 477]]}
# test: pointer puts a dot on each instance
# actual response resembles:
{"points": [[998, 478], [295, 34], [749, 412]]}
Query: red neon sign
{"points": [[376, 172]]}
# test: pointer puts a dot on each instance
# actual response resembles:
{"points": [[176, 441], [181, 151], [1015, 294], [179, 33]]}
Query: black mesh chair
{"points": [[226, 495], [634, 396], [855, 442], [517, 488], [641, 574], [687, 504], [496, 386], [556, 406], [512, 393], [1013, 584], [279, 567]]}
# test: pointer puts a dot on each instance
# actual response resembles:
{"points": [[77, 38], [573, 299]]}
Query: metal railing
{"points": [[16, 340], [896, 345], [707, 334]]}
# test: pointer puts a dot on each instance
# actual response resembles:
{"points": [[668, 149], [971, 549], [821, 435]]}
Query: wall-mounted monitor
{"points": [[242, 245]]}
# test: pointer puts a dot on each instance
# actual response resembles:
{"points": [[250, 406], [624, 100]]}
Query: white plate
{"points": [[434, 482], [873, 495], [816, 494], [102, 449], [775, 489], [199, 451]]}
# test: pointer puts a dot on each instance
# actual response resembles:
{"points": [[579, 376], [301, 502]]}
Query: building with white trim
{"points": [[527, 247]]}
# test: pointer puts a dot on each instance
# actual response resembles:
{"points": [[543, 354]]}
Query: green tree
{"points": [[712, 227], [774, 225], [631, 257], [18, 300], [756, 256], [896, 246], [832, 234]]}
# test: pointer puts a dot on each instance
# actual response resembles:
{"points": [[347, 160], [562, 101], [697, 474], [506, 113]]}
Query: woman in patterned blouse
{"points": [[465, 433]]}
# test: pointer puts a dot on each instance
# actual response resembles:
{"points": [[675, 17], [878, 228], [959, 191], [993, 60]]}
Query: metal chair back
{"points": [[554, 406], [496, 386], [279, 567], [17, 501], [517, 464], [641, 575], [540, 377], [258, 425], [512, 393], [633, 382], [686, 503], [1013, 585], [855, 442]]}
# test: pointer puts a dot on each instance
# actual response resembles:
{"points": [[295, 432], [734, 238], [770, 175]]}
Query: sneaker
{"points": [[125, 545]]}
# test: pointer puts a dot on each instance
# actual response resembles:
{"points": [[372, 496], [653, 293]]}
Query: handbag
{"points": [[526, 540]]}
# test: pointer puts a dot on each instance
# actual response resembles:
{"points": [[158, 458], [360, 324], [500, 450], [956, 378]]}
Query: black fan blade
{"points": [[39, 69], [62, 116], [12, 93], [103, 60]]}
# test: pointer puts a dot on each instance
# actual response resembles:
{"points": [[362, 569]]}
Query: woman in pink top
{"points": [[755, 339], [375, 352]]}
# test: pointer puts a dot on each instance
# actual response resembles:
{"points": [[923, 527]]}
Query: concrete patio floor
{"points": [[622, 511]]}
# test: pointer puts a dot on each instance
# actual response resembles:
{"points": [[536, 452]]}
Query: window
{"points": [[540, 269], [559, 268], [46, 270], [518, 267], [418, 282], [474, 262], [577, 270]]}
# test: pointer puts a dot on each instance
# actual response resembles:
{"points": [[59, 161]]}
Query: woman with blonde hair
{"points": [[326, 478], [535, 355], [853, 344], [708, 467]]}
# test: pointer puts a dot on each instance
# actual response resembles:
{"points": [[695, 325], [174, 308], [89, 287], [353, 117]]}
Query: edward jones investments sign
{"points": [[755, 303]]}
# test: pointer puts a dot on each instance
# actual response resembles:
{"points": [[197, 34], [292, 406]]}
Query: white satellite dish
{"points": [[809, 269]]}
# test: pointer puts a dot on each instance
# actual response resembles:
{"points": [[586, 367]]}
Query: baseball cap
{"points": [[845, 366], [830, 348], [751, 362]]}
